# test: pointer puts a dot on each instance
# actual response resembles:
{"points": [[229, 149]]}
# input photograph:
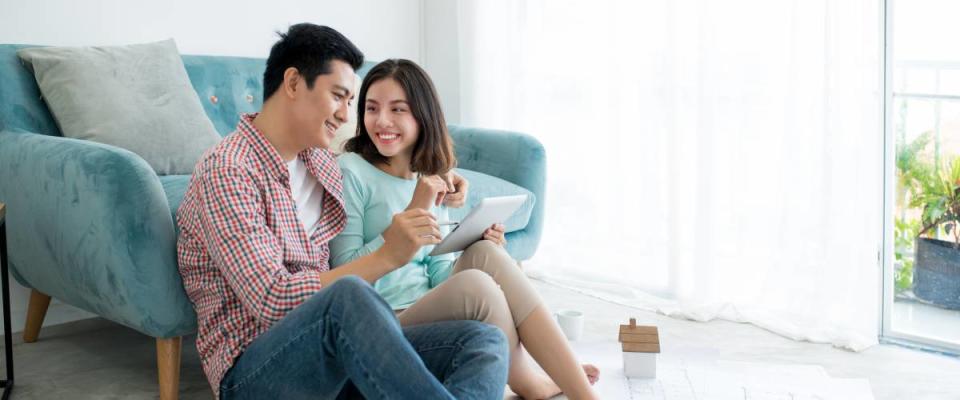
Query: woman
{"points": [[392, 164]]}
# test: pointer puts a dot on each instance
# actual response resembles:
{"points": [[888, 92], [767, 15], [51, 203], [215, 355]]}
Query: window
{"points": [[922, 272]]}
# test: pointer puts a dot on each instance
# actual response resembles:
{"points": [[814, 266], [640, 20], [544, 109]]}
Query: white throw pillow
{"points": [[136, 97]]}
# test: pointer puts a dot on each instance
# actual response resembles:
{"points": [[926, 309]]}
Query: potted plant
{"points": [[911, 170], [936, 274]]}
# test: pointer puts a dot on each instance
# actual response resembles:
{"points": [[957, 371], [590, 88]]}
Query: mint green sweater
{"points": [[371, 198]]}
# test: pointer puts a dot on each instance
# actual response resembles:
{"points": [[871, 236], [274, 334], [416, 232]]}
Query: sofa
{"points": [[94, 226]]}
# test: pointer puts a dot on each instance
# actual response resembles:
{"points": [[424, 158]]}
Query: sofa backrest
{"points": [[227, 86], [21, 107]]}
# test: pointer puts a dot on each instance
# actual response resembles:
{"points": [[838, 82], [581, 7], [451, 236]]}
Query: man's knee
{"points": [[348, 301], [349, 285], [485, 337], [349, 292]]}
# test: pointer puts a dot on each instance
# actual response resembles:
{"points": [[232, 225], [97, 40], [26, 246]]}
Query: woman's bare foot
{"points": [[593, 373], [539, 386], [535, 385]]}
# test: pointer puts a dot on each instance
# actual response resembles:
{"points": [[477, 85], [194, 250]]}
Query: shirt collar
{"points": [[320, 163], [268, 155]]}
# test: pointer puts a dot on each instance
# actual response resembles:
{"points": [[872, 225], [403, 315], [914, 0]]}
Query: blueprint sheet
{"points": [[696, 376]]}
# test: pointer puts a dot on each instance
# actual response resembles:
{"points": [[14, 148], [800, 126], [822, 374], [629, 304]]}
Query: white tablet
{"points": [[491, 210]]}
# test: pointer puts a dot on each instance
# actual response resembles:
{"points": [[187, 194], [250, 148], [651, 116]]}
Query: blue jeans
{"points": [[347, 332]]}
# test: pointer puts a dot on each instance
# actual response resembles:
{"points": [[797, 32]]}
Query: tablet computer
{"points": [[491, 210]]}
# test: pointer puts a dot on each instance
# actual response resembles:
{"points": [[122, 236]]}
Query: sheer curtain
{"points": [[706, 159]]}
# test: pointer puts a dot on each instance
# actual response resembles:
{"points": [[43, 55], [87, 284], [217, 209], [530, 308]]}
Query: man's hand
{"points": [[429, 192], [457, 195], [409, 231], [496, 234]]}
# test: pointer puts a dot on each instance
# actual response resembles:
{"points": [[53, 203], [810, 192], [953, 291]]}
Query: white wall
{"points": [[441, 52], [381, 29]]}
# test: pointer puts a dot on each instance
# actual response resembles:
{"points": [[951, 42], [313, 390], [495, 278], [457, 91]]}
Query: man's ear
{"points": [[291, 78]]}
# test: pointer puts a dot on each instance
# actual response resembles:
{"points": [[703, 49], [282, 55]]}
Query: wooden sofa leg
{"points": [[36, 312], [168, 367]]}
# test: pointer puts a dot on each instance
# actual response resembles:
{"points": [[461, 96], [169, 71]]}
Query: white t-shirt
{"points": [[307, 194]]}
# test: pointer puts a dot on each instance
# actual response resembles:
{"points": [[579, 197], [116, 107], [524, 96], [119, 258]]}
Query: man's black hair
{"points": [[309, 48]]}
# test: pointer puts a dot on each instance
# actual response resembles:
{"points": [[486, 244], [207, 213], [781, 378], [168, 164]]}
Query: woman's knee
{"points": [[482, 247], [476, 284], [482, 296], [488, 257]]}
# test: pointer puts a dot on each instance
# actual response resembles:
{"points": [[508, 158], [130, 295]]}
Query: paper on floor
{"points": [[691, 376]]}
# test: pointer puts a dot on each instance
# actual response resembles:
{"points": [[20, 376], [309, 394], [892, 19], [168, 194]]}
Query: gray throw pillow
{"points": [[136, 97]]}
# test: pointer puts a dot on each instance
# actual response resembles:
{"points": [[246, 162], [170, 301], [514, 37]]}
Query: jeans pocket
{"points": [[229, 386], [227, 393]]}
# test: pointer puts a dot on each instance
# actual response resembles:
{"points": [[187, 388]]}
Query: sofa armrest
{"points": [[512, 156], [89, 224]]}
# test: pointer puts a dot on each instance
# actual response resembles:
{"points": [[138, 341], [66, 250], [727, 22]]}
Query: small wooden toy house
{"points": [[641, 344]]}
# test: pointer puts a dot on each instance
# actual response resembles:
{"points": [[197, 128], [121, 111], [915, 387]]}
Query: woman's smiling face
{"points": [[388, 119]]}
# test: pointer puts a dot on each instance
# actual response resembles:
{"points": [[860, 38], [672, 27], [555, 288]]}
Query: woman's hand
{"points": [[457, 195], [496, 234], [430, 191]]}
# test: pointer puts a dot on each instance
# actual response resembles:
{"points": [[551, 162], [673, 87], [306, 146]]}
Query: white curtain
{"points": [[706, 159]]}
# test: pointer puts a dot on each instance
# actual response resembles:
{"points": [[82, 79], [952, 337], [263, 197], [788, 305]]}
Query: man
{"points": [[274, 320]]}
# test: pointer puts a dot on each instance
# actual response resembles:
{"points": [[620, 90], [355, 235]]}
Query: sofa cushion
{"points": [[481, 185], [175, 187], [136, 97]]}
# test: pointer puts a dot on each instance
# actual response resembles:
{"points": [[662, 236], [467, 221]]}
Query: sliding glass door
{"points": [[922, 130]]}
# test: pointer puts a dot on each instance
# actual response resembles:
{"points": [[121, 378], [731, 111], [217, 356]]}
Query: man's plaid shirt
{"points": [[244, 256]]}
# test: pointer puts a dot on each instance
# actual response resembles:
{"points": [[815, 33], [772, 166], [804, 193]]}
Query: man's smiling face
{"points": [[319, 111]]}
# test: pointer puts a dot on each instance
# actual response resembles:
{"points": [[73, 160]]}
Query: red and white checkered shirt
{"points": [[244, 256]]}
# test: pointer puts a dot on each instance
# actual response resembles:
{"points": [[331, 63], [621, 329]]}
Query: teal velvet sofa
{"points": [[94, 226]]}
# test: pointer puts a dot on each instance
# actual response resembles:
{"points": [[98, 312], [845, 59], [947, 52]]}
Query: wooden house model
{"points": [[640, 344]]}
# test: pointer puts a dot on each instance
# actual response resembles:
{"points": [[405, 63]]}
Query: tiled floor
{"points": [[96, 359]]}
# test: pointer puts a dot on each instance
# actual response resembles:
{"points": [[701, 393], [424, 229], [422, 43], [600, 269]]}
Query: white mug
{"points": [[571, 323]]}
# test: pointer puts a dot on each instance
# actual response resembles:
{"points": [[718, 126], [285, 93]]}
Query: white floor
{"points": [[96, 359], [895, 373]]}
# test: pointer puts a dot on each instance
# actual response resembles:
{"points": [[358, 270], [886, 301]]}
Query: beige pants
{"points": [[486, 285]]}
